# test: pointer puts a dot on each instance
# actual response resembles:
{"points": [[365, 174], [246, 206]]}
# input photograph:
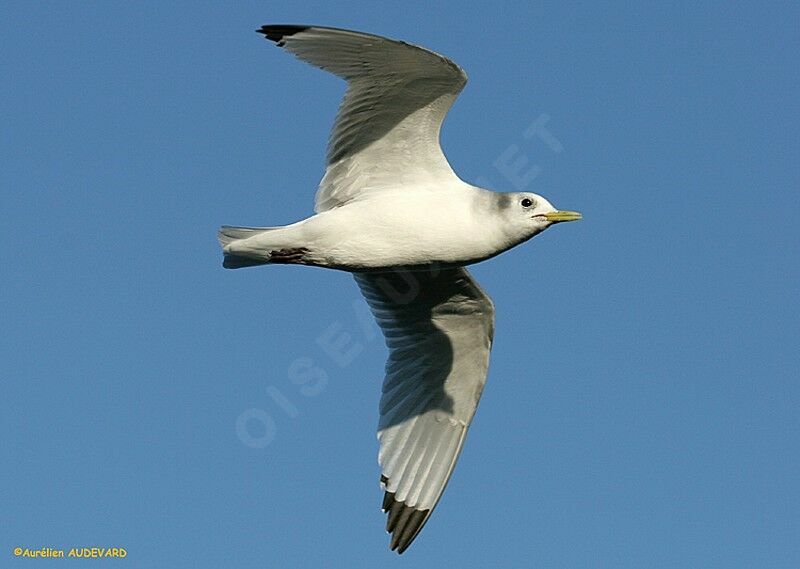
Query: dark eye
{"points": [[526, 202]]}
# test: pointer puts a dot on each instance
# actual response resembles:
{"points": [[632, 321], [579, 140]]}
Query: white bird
{"points": [[391, 210]]}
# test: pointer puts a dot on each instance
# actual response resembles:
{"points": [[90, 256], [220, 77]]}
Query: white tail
{"points": [[228, 234]]}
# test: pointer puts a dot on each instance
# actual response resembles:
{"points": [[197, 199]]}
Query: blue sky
{"points": [[642, 405]]}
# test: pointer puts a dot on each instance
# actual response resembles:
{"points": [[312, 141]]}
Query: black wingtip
{"points": [[403, 523], [276, 33]]}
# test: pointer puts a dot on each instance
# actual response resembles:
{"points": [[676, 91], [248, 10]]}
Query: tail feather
{"points": [[228, 234], [234, 261]]}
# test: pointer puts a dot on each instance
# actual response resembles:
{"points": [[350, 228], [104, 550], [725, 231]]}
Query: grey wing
{"points": [[438, 326], [387, 130]]}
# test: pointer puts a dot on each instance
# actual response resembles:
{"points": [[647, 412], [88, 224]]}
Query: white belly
{"points": [[396, 231]]}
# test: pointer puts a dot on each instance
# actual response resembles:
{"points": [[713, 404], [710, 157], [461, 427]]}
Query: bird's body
{"points": [[391, 210], [460, 225]]}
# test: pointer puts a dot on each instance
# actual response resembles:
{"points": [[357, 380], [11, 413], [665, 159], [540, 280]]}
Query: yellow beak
{"points": [[558, 216]]}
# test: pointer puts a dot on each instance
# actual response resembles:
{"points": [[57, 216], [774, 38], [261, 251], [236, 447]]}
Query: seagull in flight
{"points": [[391, 211]]}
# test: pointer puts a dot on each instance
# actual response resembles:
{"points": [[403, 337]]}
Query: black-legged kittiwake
{"points": [[390, 210]]}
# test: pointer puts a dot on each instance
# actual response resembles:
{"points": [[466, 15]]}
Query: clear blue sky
{"points": [[642, 405]]}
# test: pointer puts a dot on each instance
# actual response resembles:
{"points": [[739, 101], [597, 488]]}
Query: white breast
{"points": [[405, 228]]}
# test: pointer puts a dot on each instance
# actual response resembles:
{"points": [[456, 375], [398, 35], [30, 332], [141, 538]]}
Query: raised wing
{"points": [[386, 133], [438, 326]]}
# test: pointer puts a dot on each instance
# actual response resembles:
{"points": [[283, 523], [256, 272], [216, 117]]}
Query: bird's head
{"points": [[529, 214]]}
